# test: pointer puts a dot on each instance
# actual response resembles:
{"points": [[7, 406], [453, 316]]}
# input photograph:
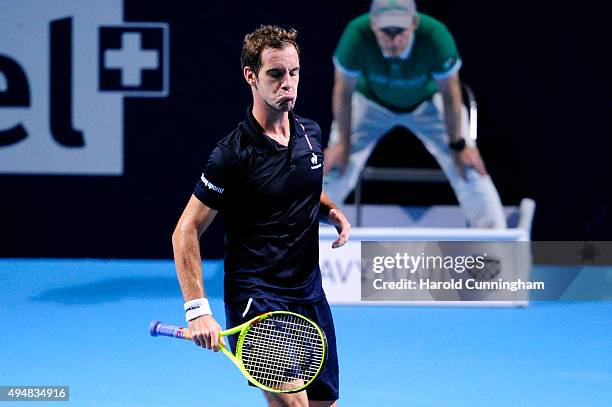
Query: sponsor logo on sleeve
{"points": [[210, 185], [450, 62]]}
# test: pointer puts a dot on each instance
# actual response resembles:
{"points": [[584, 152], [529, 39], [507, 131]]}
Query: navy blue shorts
{"points": [[325, 386]]}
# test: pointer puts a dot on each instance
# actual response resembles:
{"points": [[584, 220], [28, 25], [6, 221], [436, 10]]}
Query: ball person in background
{"points": [[396, 67], [266, 177]]}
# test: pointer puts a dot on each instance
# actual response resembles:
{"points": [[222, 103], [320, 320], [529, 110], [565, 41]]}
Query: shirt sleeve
{"points": [[346, 56], [446, 59], [216, 180]]}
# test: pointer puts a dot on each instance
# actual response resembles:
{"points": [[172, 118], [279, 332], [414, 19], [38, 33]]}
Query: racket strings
{"points": [[277, 374], [281, 367], [283, 351], [299, 353]]}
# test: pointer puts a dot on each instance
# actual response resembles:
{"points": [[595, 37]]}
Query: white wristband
{"points": [[196, 308]]}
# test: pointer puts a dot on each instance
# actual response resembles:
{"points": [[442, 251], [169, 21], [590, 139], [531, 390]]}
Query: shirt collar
{"points": [[262, 142]]}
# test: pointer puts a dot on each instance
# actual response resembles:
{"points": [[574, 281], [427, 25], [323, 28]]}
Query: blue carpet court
{"points": [[84, 324]]}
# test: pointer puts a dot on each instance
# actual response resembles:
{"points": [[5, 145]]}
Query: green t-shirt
{"points": [[395, 83]]}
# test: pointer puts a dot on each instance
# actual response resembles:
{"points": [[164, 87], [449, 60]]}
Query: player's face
{"points": [[394, 40], [278, 78]]}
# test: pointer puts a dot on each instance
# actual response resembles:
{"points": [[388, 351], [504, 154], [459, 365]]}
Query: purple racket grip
{"points": [[157, 328]]}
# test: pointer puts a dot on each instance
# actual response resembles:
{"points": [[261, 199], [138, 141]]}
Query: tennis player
{"points": [[266, 177]]}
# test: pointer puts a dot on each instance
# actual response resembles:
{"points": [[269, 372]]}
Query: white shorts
{"points": [[477, 195]]}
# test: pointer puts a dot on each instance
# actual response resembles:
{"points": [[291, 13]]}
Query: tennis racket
{"points": [[279, 351]]}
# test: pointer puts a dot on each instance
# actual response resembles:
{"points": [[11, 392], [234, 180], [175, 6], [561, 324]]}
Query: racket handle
{"points": [[157, 328]]}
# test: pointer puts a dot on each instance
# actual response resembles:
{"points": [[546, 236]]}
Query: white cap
{"points": [[392, 13]]}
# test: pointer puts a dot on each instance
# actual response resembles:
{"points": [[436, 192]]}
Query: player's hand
{"points": [[336, 156], [204, 332], [337, 218], [469, 157]]}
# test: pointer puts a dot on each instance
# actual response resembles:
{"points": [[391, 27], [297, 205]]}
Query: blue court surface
{"points": [[84, 323]]}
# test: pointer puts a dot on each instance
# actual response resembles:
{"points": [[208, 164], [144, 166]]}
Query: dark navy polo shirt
{"points": [[269, 195]]}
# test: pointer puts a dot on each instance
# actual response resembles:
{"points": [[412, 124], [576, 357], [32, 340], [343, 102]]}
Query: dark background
{"points": [[540, 71]]}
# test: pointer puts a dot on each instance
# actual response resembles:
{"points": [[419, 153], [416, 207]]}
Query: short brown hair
{"points": [[265, 36]]}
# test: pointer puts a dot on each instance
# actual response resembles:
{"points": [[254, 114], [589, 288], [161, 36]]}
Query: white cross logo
{"points": [[131, 59]]}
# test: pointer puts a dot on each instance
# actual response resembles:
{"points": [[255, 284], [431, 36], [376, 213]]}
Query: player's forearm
{"points": [[326, 205], [188, 260], [341, 106]]}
